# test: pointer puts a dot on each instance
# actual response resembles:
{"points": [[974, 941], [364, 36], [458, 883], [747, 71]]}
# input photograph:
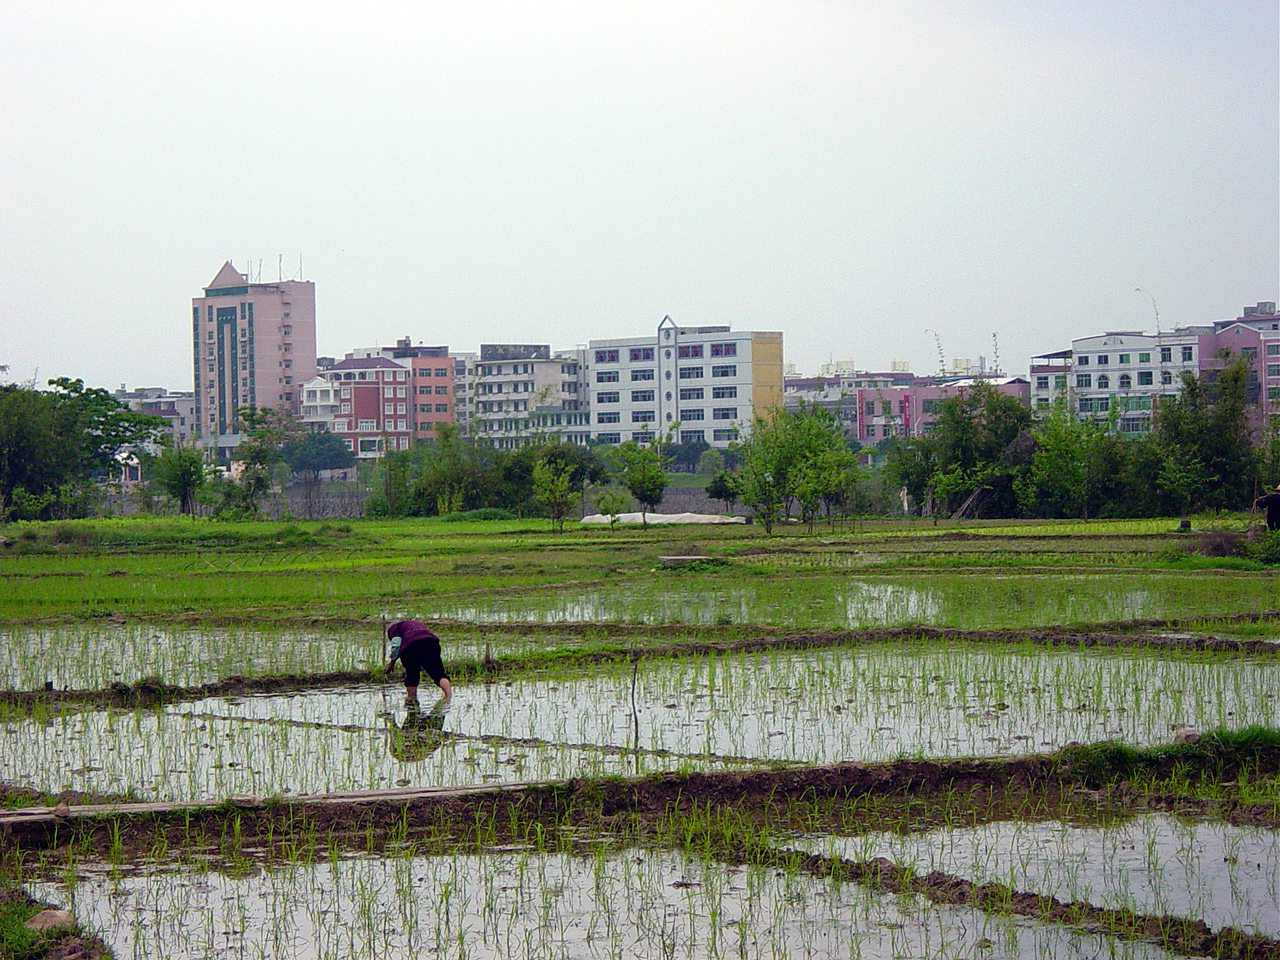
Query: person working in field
{"points": [[418, 649], [1271, 503]]}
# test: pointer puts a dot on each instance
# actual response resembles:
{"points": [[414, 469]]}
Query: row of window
{"points": [[687, 351], [440, 391], [686, 436], [1086, 381], [1166, 356], [438, 372], [647, 416]]}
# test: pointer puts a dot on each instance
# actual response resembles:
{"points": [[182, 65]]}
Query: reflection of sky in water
{"points": [[864, 703], [1216, 872], [994, 601], [523, 904]]}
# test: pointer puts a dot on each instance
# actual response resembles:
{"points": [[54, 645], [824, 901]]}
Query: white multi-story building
{"points": [[464, 368], [708, 380], [522, 392]]}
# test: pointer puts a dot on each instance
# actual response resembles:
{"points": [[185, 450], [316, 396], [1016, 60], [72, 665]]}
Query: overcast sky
{"points": [[850, 173]]}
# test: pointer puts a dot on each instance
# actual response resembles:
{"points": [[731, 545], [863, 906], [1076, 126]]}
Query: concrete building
{"points": [[523, 392], [178, 407], [1127, 373], [432, 379], [709, 380], [364, 400], [254, 345], [464, 368]]}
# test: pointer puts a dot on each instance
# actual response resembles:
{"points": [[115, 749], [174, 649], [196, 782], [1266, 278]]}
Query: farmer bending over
{"points": [[1271, 503], [418, 649]]}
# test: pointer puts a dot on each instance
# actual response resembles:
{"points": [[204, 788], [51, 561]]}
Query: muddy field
{"points": [[796, 750]]}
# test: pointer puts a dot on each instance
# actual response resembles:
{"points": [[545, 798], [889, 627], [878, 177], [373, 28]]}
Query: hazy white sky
{"points": [[850, 173]]}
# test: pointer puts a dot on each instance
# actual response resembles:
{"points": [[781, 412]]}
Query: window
{"points": [[1103, 359], [1273, 349], [365, 425], [689, 351], [1273, 393], [442, 371], [722, 435], [1126, 382], [690, 373], [346, 392], [724, 413], [1124, 358], [724, 393], [1166, 377], [1273, 369], [1249, 353], [369, 444], [346, 408], [642, 436], [644, 373], [642, 396], [1144, 378], [608, 416], [694, 414], [1186, 354], [639, 354], [1042, 403], [388, 408], [1104, 382], [399, 408], [690, 393], [642, 416], [424, 408], [341, 426], [724, 349], [1082, 361], [1166, 354], [1060, 382], [1084, 381], [442, 408], [932, 406], [693, 436], [728, 370], [1042, 383], [871, 430], [606, 356], [607, 376], [441, 390], [609, 437], [1133, 425], [609, 397]]}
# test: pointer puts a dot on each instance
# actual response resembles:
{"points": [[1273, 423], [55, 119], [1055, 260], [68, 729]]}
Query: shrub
{"points": [[484, 513], [1221, 543]]}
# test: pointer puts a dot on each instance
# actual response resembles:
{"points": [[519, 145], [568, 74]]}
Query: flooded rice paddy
{"points": [[802, 602], [1226, 875], [615, 904], [869, 703]]}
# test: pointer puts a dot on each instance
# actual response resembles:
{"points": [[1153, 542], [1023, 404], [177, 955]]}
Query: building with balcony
{"points": [[521, 393], [253, 345], [366, 401]]}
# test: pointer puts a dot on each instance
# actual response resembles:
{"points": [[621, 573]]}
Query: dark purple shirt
{"points": [[409, 632]]}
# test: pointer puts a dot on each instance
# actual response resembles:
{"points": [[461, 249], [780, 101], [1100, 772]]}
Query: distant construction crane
{"points": [[942, 357]]}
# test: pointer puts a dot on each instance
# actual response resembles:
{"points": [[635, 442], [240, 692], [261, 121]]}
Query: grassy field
{"points": [[768, 748]]}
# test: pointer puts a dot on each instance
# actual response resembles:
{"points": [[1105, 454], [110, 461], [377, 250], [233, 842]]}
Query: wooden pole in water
{"points": [[384, 641]]}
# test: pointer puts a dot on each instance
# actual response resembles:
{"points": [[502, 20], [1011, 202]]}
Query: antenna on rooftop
{"points": [[1159, 336], [995, 352], [281, 266]]}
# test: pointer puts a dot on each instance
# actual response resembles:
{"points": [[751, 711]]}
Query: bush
{"points": [[485, 513], [1267, 548], [1221, 543]]}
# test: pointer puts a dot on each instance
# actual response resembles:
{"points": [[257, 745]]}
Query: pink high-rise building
{"points": [[253, 345]]}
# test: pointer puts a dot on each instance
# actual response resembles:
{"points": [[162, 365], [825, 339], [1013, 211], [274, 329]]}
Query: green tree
{"points": [[642, 471], [611, 501], [180, 472], [55, 443], [723, 485], [313, 453], [266, 432], [553, 489]]}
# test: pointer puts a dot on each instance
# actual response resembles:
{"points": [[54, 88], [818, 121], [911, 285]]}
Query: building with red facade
{"points": [[367, 401]]}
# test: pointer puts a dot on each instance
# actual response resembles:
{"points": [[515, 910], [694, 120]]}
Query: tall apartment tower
{"points": [[253, 345]]}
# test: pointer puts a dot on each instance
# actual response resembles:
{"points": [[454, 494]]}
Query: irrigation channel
{"points": [[879, 793]]}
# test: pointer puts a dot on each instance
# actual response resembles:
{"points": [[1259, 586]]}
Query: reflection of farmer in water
{"points": [[420, 735], [418, 649]]}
